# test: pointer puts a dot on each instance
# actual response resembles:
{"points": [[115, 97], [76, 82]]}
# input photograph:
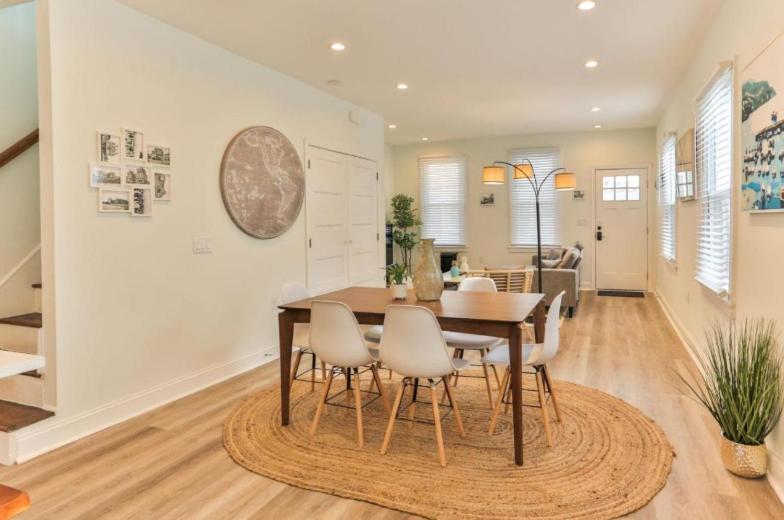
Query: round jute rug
{"points": [[608, 459]]}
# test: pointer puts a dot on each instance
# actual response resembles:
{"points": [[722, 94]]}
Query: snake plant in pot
{"points": [[396, 275], [741, 387]]}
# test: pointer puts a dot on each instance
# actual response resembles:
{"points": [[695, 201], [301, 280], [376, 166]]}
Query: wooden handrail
{"points": [[18, 148]]}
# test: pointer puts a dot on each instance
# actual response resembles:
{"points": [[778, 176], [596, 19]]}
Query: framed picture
{"points": [[104, 175], [159, 155], [162, 186], [108, 147], [132, 145], [141, 202], [136, 174], [487, 199], [114, 200], [684, 158]]}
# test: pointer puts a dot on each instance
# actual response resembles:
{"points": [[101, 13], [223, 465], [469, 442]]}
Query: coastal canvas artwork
{"points": [[762, 128]]}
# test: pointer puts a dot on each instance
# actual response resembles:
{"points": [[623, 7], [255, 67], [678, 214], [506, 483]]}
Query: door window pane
{"points": [[620, 193], [620, 181], [608, 194], [634, 193], [633, 181], [608, 182]]}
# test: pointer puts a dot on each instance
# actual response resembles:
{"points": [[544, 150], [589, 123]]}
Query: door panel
{"points": [[621, 229], [363, 222], [326, 221]]}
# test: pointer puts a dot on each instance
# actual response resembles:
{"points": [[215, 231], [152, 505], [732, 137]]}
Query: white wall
{"points": [[488, 227], [19, 197], [137, 313], [741, 29]]}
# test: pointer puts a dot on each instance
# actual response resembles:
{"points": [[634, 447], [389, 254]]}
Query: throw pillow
{"points": [[569, 258], [550, 264], [555, 254]]}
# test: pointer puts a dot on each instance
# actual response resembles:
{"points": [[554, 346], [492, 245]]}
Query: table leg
{"points": [[516, 366], [286, 335], [540, 316]]}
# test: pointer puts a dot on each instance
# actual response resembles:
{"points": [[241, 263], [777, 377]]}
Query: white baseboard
{"points": [[688, 342], [59, 431]]}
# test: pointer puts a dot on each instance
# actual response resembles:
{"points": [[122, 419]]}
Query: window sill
{"points": [[532, 249]]}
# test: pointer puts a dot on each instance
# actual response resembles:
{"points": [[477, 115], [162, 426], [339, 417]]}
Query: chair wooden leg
{"points": [[358, 404], [453, 402], [552, 393], [437, 421], [487, 385], [543, 405], [323, 371], [392, 418], [295, 367], [501, 394], [381, 390], [322, 403]]}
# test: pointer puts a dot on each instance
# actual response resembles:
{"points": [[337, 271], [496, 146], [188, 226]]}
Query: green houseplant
{"points": [[396, 275], [741, 388], [404, 223]]}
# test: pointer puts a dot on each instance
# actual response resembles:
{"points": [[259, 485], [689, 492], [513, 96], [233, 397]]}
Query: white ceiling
{"points": [[475, 68]]}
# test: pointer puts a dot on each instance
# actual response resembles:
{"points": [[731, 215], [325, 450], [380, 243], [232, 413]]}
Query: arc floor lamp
{"points": [[564, 180]]}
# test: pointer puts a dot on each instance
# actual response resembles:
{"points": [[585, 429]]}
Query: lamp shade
{"points": [[493, 174], [523, 171], [565, 181]]}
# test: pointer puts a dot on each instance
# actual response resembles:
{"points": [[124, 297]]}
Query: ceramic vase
{"points": [[744, 460], [428, 279]]}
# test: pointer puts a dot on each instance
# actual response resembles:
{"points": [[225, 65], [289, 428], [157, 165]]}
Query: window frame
{"points": [[464, 206], [671, 139]]}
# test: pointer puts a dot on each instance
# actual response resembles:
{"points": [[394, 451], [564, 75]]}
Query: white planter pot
{"points": [[399, 291]]}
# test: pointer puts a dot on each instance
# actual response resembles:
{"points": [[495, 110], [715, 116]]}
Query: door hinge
{"points": [[310, 242], [308, 164], [376, 175], [378, 237]]}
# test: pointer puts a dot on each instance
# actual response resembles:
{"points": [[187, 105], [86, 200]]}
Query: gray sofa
{"points": [[557, 279]]}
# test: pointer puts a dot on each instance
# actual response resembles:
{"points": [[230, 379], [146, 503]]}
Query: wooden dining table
{"points": [[496, 314]]}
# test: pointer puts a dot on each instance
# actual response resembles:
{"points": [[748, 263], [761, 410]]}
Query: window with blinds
{"points": [[667, 199], [523, 201], [714, 182], [442, 182]]}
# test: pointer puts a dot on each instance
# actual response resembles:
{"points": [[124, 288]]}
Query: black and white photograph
{"points": [[136, 174], [114, 200], [104, 175], [108, 147], [162, 188], [141, 205], [159, 155], [132, 145], [487, 199]]}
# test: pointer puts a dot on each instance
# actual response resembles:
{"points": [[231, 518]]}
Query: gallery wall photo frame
{"points": [[136, 175], [158, 155], [109, 147], [685, 175], [114, 200], [141, 201], [132, 145], [162, 186], [105, 175]]}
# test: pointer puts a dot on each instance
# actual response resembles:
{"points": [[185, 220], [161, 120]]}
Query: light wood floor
{"points": [[170, 463]]}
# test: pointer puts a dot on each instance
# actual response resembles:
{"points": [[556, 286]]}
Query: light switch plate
{"points": [[202, 246]]}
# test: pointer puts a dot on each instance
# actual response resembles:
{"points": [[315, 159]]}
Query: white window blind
{"points": [[442, 182], [523, 202], [714, 178], [667, 199]]}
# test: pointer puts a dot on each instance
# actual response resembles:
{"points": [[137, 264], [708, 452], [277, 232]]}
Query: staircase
{"points": [[22, 334]]}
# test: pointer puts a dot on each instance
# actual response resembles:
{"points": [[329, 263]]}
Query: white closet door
{"points": [[327, 213], [363, 222]]}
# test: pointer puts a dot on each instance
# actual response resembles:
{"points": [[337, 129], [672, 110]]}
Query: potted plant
{"points": [[741, 388], [396, 274], [404, 223]]}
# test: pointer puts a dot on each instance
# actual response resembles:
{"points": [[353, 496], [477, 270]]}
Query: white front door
{"points": [[621, 229]]}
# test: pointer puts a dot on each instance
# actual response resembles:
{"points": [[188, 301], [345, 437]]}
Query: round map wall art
{"points": [[262, 182]]}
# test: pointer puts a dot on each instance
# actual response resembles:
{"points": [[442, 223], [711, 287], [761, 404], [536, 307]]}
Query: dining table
{"points": [[497, 314]]}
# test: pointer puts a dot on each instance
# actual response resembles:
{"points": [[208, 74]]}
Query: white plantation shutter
{"points": [[523, 202], [667, 199], [714, 182], [442, 182]]}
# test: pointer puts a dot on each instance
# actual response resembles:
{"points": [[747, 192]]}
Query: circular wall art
{"points": [[262, 182]]}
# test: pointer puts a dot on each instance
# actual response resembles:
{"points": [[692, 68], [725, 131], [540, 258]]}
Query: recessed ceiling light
{"points": [[595, 109], [586, 5], [337, 46], [597, 126], [591, 64], [402, 86], [392, 126], [425, 138]]}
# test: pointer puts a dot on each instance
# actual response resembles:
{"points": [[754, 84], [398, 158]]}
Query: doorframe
{"points": [[380, 201], [634, 166]]}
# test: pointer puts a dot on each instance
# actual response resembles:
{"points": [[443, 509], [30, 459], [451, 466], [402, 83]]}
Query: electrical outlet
{"points": [[202, 246]]}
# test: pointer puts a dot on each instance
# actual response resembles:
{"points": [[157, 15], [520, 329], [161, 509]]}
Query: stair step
{"points": [[14, 416], [33, 320]]}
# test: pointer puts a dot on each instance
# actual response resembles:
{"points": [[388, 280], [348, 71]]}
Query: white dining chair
{"points": [[462, 342], [413, 346], [336, 338], [536, 356], [292, 292]]}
